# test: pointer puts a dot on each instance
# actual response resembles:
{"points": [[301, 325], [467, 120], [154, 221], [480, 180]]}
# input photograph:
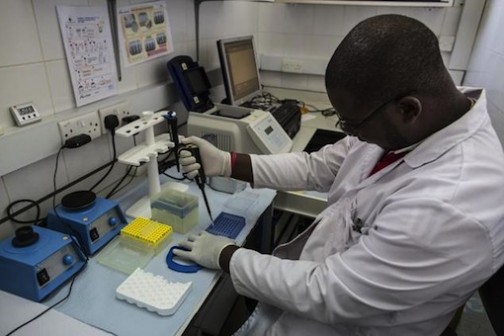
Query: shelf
{"points": [[446, 3]]}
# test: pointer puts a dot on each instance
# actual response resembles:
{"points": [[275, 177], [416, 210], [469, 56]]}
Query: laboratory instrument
{"points": [[200, 178], [146, 152], [230, 124], [176, 208], [171, 118], [93, 220], [153, 292], [237, 57], [191, 82], [227, 225], [25, 114], [36, 261], [240, 129]]}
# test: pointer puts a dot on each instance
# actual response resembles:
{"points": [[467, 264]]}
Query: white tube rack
{"points": [[146, 152]]}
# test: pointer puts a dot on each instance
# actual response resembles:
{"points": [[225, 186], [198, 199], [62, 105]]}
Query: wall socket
{"points": [[292, 65], [86, 124], [120, 109]]}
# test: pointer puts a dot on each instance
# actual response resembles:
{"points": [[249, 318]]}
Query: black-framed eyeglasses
{"points": [[352, 128]]}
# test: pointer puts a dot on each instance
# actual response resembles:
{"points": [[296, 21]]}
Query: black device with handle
{"points": [[191, 82], [201, 177]]}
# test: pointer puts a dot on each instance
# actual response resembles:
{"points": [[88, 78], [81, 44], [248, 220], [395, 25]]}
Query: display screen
{"points": [[26, 110], [241, 74], [268, 130], [197, 80]]}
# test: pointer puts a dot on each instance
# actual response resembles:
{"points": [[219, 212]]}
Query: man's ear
{"points": [[410, 108]]}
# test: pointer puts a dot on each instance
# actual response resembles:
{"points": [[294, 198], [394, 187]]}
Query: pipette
{"points": [[200, 178], [171, 118]]}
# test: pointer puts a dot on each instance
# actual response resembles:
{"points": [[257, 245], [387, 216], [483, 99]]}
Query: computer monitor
{"points": [[239, 69]]}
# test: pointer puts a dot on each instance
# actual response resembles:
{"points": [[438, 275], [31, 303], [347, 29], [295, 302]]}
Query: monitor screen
{"points": [[239, 69]]}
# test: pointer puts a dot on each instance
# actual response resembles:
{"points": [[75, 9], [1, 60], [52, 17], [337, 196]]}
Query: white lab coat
{"points": [[431, 231]]}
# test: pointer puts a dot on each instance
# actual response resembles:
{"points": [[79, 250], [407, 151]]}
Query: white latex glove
{"points": [[215, 161], [204, 249]]}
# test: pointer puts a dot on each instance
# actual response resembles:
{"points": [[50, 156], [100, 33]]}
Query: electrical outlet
{"points": [[292, 65], [86, 124], [121, 110]]}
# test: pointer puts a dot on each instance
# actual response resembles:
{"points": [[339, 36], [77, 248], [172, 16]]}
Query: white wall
{"points": [[304, 32], [33, 68], [486, 68]]}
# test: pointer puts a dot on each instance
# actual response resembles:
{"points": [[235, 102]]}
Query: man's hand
{"points": [[204, 249], [215, 161]]}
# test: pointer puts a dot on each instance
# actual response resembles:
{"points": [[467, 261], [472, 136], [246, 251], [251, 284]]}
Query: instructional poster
{"points": [[144, 32], [89, 52]]}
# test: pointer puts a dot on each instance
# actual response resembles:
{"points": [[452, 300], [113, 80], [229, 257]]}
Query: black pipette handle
{"points": [[171, 118], [200, 178]]}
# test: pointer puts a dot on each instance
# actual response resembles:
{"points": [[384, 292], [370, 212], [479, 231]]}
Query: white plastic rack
{"points": [[153, 292], [146, 152]]}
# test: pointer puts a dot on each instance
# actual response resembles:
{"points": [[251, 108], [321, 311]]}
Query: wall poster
{"points": [[144, 32], [89, 52]]}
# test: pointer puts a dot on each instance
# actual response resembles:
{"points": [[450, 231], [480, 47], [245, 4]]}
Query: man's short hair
{"points": [[386, 56]]}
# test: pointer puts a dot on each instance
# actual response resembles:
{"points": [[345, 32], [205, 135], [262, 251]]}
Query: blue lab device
{"points": [[36, 268], [94, 224], [191, 82]]}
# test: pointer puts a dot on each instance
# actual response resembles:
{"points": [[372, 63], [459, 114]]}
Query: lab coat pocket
{"points": [[334, 232], [336, 227]]}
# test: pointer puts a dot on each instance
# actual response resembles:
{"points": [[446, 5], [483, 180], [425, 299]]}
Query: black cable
{"points": [[263, 101], [166, 158], [48, 196], [79, 246], [12, 218], [114, 160], [112, 183], [76, 235], [328, 112], [51, 307], [166, 163], [175, 178], [114, 190], [56, 170], [127, 183]]}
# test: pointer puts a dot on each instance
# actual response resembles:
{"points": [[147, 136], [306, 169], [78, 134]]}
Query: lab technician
{"points": [[415, 220]]}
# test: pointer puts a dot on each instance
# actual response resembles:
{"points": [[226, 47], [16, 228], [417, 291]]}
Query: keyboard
{"points": [[227, 225], [284, 112]]}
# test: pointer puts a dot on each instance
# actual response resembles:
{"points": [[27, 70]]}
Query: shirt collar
{"points": [[440, 142]]}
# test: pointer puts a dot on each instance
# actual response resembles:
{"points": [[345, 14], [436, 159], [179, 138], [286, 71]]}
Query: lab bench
{"points": [[93, 300]]}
